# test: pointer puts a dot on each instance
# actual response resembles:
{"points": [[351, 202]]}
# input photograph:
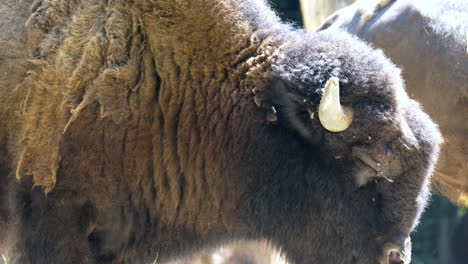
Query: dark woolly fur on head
{"points": [[135, 130], [368, 80], [428, 40]]}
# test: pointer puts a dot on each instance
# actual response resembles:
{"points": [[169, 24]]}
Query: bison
{"points": [[138, 131], [429, 40]]}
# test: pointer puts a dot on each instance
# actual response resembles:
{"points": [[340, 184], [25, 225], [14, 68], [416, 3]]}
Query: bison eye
{"points": [[374, 162], [365, 167]]}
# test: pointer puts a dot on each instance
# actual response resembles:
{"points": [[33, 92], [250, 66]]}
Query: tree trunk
{"points": [[314, 12]]}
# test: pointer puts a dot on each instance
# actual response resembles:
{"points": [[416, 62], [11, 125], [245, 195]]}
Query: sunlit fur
{"points": [[428, 39], [129, 134]]}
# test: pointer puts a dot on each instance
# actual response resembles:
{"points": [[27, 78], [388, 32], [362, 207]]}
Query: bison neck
{"points": [[200, 44], [131, 117]]}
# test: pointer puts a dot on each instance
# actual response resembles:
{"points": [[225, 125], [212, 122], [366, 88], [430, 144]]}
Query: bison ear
{"points": [[291, 107], [282, 94]]}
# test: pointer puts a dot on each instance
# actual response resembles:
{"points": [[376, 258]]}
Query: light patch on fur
{"points": [[463, 199], [259, 252], [156, 258], [369, 11]]}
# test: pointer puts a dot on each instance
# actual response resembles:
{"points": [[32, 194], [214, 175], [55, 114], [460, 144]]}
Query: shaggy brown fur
{"points": [[129, 130]]}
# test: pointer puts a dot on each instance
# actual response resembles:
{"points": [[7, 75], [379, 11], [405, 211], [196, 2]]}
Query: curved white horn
{"points": [[333, 116]]}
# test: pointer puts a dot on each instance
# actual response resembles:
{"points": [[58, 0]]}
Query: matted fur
{"points": [[142, 128]]}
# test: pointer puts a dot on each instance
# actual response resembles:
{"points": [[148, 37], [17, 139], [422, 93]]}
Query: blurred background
{"points": [[443, 231]]}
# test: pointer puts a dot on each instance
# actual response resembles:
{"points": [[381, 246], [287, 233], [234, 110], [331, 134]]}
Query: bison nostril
{"points": [[397, 251], [394, 258]]}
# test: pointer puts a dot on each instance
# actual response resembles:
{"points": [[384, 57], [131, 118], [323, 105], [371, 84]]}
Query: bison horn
{"points": [[333, 116]]}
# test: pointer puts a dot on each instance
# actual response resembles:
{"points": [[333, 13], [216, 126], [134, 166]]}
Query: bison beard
{"points": [[143, 128]]}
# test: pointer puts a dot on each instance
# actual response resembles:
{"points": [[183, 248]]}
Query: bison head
{"points": [[372, 147]]}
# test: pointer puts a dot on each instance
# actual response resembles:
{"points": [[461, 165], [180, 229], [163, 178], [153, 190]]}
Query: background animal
{"points": [[428, 40], [139, 131]]}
